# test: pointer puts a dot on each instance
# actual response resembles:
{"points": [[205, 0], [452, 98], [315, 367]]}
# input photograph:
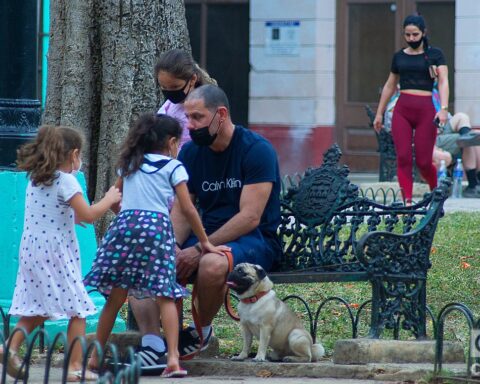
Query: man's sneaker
{"points": [[189, 342], [471, 193], [151, 361]]}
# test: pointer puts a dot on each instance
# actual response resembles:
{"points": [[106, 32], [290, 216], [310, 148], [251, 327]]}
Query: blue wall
{"points": [[12, 196]]}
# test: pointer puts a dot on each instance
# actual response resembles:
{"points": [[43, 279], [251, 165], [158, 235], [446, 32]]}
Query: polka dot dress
{"points": [[49, 280]]}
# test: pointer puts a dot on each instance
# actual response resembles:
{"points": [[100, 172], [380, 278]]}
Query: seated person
{"points": [[458, 131], [234, 174]]}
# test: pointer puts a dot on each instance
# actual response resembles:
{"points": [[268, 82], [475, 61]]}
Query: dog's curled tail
{"points": [[317, 351]]}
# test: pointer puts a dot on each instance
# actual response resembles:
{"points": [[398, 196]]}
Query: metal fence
{"points": [[116, 369]]}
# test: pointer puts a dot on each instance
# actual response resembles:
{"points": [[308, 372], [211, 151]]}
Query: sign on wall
{"points": [[282, 37]]}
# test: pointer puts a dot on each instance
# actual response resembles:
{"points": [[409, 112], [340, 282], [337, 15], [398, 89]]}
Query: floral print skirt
{"points": [[138, 254]]}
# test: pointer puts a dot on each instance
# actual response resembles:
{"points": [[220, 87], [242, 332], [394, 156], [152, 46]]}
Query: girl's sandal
{"points": [[14, 364], [169, 372], [75, 376]]}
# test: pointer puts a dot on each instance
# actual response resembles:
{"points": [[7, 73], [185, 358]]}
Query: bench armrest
{"points": [[385, 253]]}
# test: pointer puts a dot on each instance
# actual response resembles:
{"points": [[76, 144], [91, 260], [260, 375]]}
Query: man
{"points": [[235, 180], [456, 139]]}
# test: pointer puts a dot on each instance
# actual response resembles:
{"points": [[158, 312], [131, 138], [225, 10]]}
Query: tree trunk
{"points": [[100, 72]]}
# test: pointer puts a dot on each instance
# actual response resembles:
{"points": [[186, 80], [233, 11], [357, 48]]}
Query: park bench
{"points": [[331, 233]]}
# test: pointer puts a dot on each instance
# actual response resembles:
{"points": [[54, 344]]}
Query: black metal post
{"points": [[20, 110]]}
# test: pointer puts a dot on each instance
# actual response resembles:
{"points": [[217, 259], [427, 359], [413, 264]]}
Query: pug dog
{"points": [[269, 319]]}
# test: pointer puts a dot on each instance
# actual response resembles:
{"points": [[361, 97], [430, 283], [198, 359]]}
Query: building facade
{"points": [[310, 89], [301, 72]]}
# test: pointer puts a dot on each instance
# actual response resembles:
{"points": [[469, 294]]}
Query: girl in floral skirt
{"points": [[137, 254]]}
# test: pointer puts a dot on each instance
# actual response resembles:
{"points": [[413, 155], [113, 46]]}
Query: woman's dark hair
{"points": [[50, 149], [180, 64], [419, 22], [149, 134]]}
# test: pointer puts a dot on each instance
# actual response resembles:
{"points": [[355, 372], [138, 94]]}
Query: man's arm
{"points": [[181, 226], [253, 200]]}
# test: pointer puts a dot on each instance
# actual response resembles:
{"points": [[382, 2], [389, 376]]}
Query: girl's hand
{"points": [[442, 116], [208, 247], [113, 195], [378, 123], [79, 222]]}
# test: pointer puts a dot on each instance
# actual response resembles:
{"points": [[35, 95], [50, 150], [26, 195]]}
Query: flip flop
{"points": [[76, 376], [169, 372], [14, 364]]}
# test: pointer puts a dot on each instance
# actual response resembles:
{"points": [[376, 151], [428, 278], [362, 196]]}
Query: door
{"points": [[219, 35], [368, 33]]}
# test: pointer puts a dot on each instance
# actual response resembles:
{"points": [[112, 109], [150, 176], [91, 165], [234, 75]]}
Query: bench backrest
{"points": [[324, 217]]}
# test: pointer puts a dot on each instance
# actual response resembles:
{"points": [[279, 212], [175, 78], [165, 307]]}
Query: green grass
{"points": [[457, 241]]}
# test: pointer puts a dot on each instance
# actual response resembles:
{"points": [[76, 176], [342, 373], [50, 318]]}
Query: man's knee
{"points": [[460, 120], [145, 312], [212, 269]]}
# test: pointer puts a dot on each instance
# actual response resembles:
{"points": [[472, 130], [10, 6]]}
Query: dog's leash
{"points": [[228, 302]]}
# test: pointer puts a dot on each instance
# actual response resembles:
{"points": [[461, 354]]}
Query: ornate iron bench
{"points": [[330, 232]]}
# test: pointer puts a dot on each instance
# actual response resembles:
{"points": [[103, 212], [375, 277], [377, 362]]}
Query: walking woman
{"points": [[415, 67]]}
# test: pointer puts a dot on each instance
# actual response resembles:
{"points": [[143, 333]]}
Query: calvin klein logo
{"points": [[230, 183]]}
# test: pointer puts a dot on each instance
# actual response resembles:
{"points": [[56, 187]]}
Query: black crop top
{"points": [[413, 69]]}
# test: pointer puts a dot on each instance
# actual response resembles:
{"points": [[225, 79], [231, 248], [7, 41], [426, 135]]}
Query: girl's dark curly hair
{"points": [[50, 149], [149, 134]]}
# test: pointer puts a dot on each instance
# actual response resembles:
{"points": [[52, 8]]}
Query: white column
{"points": [[467, 59], [296, 89]]}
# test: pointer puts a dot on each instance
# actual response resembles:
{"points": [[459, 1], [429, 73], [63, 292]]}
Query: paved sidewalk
{"points": [[370, 180], [37, 377], [463, 205], [214, 371]]}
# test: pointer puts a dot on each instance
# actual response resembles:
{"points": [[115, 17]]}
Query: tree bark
{"points": [[100, 72]]}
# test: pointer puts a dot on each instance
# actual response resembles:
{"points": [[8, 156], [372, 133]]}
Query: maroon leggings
{"points": [[413, 121]]}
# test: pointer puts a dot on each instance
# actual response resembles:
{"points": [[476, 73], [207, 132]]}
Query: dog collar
{"points": [[255, 298]]}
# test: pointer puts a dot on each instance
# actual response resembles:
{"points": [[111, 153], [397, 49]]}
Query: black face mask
{"points": [[176, 96], [202, 137], [415, 44]]}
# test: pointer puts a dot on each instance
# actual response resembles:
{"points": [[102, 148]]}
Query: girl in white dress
{"points": [[49, 280]]}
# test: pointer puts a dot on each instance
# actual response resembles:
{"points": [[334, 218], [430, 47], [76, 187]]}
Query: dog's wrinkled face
{"points": [[244, 276]]}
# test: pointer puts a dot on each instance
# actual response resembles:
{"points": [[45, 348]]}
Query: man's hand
{"points": [[187, 262]]}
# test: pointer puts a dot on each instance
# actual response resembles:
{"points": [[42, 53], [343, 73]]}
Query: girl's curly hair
{"points": [[149, 134], [50, 149]]}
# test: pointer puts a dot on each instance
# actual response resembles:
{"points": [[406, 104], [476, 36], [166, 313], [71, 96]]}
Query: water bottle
{"points": [[442, 172], [457, 180]]}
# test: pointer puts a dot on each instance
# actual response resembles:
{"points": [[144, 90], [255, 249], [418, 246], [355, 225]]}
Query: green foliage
{"points": [[457, 241]]}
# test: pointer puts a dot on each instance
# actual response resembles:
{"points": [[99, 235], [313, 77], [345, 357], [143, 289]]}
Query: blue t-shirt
{"points": [[217, 179]]}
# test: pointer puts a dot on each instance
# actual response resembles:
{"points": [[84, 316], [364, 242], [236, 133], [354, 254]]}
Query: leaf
{"points": [[465, 265], [264, 373]]}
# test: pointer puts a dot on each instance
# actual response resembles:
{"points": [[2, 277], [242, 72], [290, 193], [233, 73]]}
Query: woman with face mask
{"points": [[415, 67], [177, 75]]}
